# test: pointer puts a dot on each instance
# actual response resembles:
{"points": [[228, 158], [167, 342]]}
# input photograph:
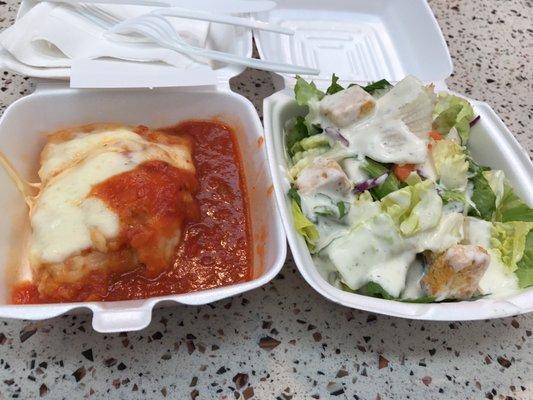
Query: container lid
{"points": [[102, 73], [360, 41]]}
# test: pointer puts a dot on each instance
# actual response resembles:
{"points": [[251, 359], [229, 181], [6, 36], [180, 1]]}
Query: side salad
{"points": [[390, 202]]}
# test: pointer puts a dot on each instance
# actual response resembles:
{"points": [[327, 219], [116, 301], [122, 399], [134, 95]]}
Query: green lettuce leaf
{"points": [[305, 92], [293, 195], [342, 209], [414, 208], [421, 300], [453, 111], [483, 198], [512, 208], [452, 196], [524, 268], [496, 181], [295, 131], [431, 299], [380, 85], [303, 158], [508, 241], [450, 163], [334, 87], [376, 290], [303, 225], [312, 142], [374, 170]]}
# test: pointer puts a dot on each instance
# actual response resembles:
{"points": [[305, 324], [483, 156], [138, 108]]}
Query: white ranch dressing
{"points": [[413, 288], [388, 141], [380, 255], [497, 280]]}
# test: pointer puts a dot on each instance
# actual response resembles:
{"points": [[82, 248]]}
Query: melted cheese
{"points": [[58, 156], [64, 218]]}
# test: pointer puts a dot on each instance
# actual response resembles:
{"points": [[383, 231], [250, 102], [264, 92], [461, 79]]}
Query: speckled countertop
{"points": [[317, 349]]}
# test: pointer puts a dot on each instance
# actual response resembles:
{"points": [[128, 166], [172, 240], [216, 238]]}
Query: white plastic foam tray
{"points": [[359, 40], [363, 41], [491, 144], [22, 136]]}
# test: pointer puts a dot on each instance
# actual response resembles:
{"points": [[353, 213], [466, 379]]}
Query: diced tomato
{"points": [[435, 135], [403, 171]]}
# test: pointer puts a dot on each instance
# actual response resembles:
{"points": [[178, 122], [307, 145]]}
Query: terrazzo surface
{"points": [[284, 341]]}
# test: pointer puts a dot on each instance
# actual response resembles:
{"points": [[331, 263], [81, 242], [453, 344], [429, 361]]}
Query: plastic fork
{"points": [[226, 6], [223, 19], [104, 19], [160, 31]]}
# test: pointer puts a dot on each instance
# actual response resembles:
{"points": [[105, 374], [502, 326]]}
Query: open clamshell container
{"points": [[364, 41], [23, 129]]}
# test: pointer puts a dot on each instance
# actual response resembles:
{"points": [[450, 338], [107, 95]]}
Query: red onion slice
{"points": [[336, 134], [370, 183], [475, 121]]}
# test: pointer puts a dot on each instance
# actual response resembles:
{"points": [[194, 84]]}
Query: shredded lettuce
{"points": [[483, 198], [312, 142], [334, 87], [303, 158], [376, 290], [305, 92], [512, 208], [293, 195], [363, 208], [453, 111], [452, 196], [496, 181], [445, 234], [295, 130], [508, 241], [524, 268], [375, 170], [414, 208], [378, 86], [342, 209], [421, 300], [451, 164], [303, 225]]}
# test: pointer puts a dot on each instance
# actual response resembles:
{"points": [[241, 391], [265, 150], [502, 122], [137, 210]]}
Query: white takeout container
{"points": [[23, 129], [364, 41], [360, 41]]}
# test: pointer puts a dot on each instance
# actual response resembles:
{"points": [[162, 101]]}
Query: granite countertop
{"points": [[313, 348]]}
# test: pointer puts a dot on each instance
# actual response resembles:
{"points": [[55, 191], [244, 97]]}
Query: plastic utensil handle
{"points": [[154, 3], [247, 62], [223, 19], [227, 6]]}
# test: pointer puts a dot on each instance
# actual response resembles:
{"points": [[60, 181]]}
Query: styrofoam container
{"points": [[491, 144], [359, 40], [363, 41], [23, 129]]}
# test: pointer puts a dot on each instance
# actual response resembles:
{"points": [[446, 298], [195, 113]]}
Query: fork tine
{"points": [[164, 30]]}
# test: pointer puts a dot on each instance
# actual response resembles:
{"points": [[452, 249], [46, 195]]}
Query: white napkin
{"points": [[51, 35]]}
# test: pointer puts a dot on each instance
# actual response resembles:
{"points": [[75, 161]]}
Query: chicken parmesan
{"points": [[127, 212]]}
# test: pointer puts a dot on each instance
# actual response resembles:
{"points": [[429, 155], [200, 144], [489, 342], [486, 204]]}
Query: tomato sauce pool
{"points": [[215, 249]]}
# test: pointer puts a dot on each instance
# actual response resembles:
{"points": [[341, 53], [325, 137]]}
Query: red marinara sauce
{"points": [[216, 244]]}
